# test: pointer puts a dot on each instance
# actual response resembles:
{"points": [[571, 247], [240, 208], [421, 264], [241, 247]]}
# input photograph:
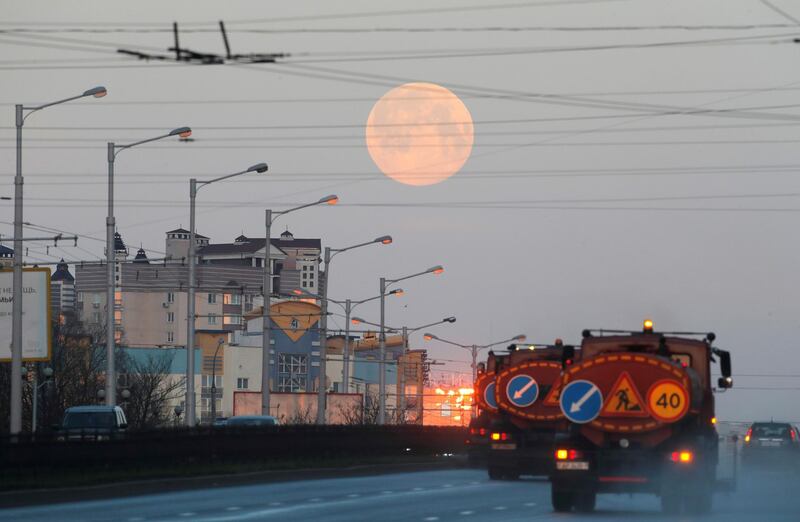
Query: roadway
{"points": [[453, 495]]}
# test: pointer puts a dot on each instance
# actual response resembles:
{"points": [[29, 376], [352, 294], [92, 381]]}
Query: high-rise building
{"points": [[62, 290]]}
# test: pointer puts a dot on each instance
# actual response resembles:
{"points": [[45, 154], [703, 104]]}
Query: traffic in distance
{"points": [[624, 412]]}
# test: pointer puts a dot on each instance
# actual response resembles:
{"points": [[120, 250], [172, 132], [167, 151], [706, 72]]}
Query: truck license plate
{"points": [[510, 446], [572, 465]]}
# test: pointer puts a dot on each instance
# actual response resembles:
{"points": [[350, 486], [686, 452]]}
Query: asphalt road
{"points": [[455, 495]]}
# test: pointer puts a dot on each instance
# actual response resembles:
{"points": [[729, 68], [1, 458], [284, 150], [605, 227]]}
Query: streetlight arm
{"points": [[120, 148], [433, 270], [327, 199], [431, 336], [515, 338], [97, 92], [386, 240]]}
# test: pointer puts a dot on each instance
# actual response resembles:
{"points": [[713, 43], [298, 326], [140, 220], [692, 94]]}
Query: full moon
{"points": [[419, 134]]}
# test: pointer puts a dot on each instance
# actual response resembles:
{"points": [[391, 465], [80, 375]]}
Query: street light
{"points": [[15, 420], [329, 255], [267, 291], [214, 381], [111, 223], [194, 188], [384, 284], [474, 348], [401, 392], [349, 305]]}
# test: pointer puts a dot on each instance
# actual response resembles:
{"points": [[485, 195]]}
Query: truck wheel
{"points": [[585, 501], [699, 501], [562, 499]]}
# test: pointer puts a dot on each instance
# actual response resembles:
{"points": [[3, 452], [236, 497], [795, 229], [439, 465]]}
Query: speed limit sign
{"points": [[667, 400]]}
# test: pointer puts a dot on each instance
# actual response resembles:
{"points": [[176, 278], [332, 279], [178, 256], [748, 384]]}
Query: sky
{"points": [[632, 158]]}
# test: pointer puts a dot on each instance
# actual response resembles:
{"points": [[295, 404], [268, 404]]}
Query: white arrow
{"points": [[519, 393], [576, 406]]}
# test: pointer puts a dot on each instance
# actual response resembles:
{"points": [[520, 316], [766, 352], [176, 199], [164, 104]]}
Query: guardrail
{"points": [[24, 460]]}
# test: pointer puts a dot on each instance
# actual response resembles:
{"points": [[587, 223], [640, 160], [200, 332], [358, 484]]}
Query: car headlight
{"points": [[102, 437]]}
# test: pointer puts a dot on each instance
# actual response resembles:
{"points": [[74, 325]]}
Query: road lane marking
{"points": [[431, 519], [499, 508], [135, 519], [417, 489], [276, 503], [187, 514], [386, 492], [315, 499], [447, 485], [233, 508], [467, 513], [353, 495], [530, 504]]}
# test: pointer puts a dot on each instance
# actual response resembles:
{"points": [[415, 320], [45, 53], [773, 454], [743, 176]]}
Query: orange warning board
{"points": [[624, 399], [554, 394], [668, 400]]}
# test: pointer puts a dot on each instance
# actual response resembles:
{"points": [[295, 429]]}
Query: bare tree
{"points": [[151, 389]]}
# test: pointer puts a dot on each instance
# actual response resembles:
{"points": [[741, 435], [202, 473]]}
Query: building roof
{"points": [[141, 257], [62, 273], [5, 251], [119, 244], [184, 231], [250, 245]]}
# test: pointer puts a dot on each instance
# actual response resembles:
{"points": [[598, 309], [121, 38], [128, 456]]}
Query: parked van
{"points": [[93, 423]]}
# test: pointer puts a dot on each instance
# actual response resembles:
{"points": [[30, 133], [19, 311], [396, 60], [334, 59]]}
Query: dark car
{"points": [[92, 423], [250, 420], [771, 444], [478, 440]]}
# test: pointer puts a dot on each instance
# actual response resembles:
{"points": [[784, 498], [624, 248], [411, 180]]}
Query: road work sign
{"points": [[624, 399], [581, 401], [36, 326]]}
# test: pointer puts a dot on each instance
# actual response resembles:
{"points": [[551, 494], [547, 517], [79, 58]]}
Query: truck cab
{"points": [[640, 419]]}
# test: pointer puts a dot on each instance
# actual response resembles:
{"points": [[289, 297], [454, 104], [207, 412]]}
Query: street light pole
{"points": [[266, 367], [384, 284], [266, 340], [214, 382], [15, 417], [194, 187], [113, 150], [323, 345]]}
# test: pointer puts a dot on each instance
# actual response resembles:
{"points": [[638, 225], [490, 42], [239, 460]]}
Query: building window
{"points": [[206, 382], [212, 298], [242, 383], [304, 275], [170, 337], [96, 317], [311, 284], [170, 297], [292, 372], [232, 299], [231, 319], [170, 317], [212, 318], [248, 303]]}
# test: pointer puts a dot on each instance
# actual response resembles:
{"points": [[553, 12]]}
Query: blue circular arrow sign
{"points": [[522, 390], [488, 395], [581, 401]]}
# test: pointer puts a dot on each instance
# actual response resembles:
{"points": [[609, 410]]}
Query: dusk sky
{"points": [[631, 158]]}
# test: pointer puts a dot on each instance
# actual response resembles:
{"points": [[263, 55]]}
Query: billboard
{"points": [[36, 329]]}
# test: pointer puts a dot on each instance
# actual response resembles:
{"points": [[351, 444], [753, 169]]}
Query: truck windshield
{"points": [[89, 420]]}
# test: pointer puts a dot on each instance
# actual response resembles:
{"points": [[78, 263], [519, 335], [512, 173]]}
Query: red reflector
{"points": [[573, 454], [630, 480], [482, 431]]}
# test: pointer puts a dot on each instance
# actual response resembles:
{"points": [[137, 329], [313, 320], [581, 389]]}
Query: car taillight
{"points": [[500, 436], [748, 435], [482, 432], [793, 435], [568, 454], [473, 431], [684, 457]]}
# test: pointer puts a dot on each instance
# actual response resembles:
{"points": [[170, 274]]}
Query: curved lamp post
{"points": [[384, 285], [194, 187], [267, 292], [15, 417], [113, 150]]}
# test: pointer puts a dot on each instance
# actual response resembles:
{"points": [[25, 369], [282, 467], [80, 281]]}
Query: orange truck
{"points": [[520, 415], [640, 418]]}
